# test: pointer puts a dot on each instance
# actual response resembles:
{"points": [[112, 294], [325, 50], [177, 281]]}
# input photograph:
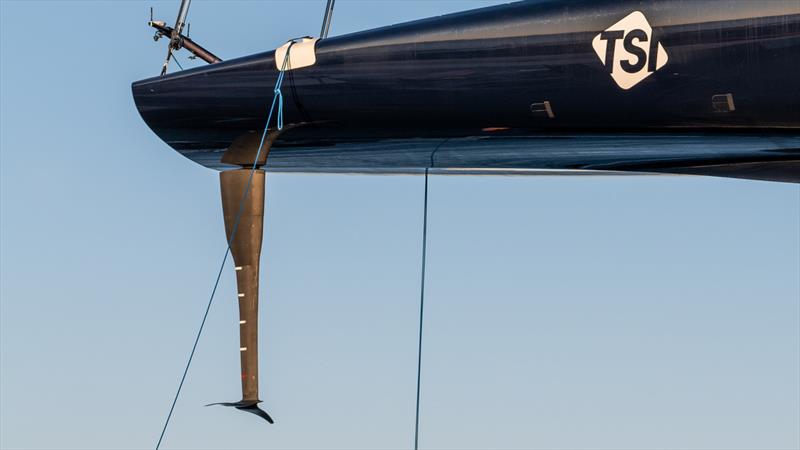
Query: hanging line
{"points": [[421, 307], [277, 98]]}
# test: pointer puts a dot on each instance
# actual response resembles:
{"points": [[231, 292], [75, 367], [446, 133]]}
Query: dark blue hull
{"points": [[520, 70]]}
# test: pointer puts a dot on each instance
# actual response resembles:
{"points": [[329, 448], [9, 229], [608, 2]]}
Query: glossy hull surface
{"points": [[519, 72]]}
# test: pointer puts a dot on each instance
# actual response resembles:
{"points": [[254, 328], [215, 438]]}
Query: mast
{"points": [[174, 39], [326, 19], [180, 22]]}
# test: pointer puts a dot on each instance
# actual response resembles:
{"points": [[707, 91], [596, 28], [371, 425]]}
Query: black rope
{"points": [[421, 307], [196, 340]]}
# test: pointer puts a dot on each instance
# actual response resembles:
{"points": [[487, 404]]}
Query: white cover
{"points": [[303, 54]]}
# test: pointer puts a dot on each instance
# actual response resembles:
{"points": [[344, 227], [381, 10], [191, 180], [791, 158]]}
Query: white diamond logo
{"points": [[630, 51]]}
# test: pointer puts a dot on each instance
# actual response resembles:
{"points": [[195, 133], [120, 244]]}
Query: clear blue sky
{"points": [[595, 312]]}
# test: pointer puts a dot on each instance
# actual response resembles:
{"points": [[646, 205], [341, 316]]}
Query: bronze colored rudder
{"points": [[245, 242]]}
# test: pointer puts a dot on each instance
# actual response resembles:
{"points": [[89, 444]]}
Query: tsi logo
{"points": [[629, 50]]}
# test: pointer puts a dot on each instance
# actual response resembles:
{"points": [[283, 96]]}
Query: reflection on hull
{"points": [[774, 157]]}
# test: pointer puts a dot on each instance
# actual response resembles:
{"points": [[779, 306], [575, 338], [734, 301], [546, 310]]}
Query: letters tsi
{"points": [[629, 50]]}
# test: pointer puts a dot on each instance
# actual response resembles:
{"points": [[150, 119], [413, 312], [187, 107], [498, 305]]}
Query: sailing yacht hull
{"points": [[504, 78]]}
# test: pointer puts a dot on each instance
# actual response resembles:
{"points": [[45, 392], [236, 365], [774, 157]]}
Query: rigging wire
{"points": [[175, 58], [421, 307], [277, 98]]}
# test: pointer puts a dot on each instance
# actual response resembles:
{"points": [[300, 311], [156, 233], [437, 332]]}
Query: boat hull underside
{"points": [[773, 158]]}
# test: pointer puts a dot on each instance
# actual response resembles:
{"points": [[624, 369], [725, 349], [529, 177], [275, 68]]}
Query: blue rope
{"points": [[279, 95], [276, 98]]}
